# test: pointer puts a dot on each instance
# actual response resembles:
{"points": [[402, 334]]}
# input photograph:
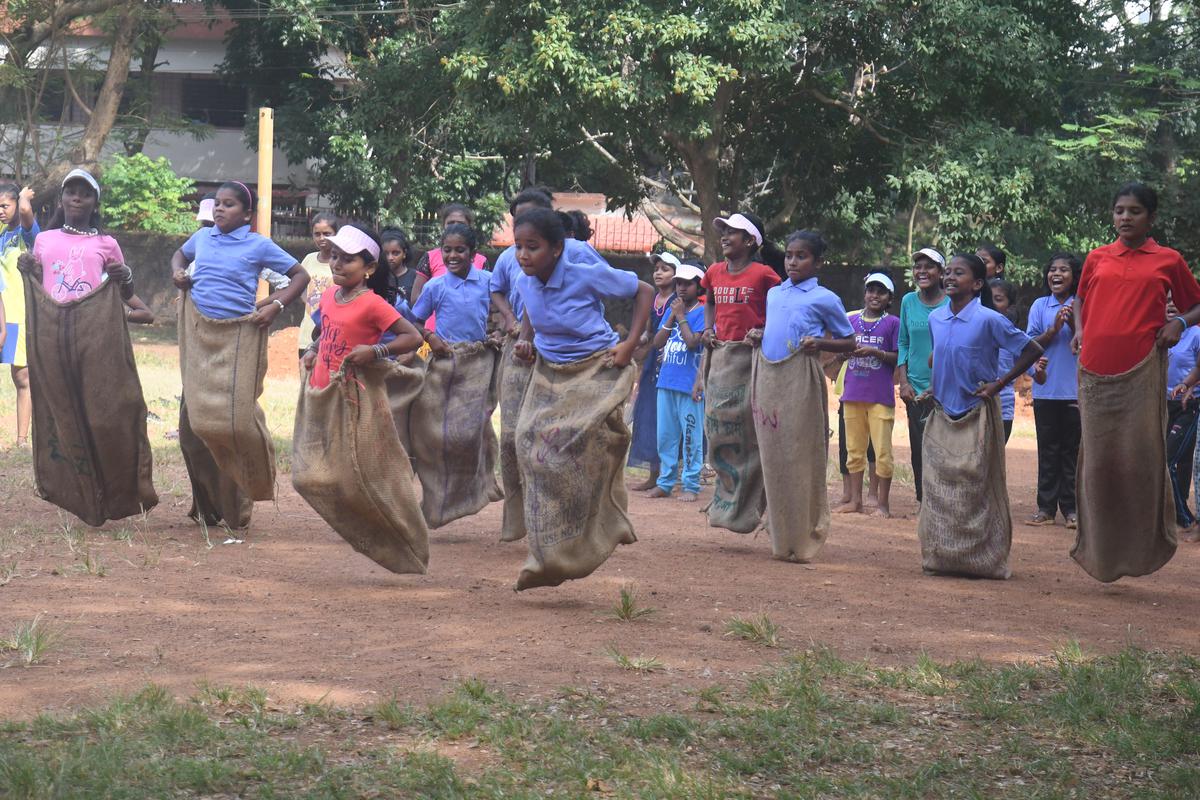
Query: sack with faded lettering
{"points": [[965, 526], [738, 493], [791, 425], [404, 382], [514, 380], [91, 455], [453, 440], [571, 447], [223, 363], [1126, 512]]}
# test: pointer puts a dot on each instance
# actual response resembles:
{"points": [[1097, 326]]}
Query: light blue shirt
{"points": [[1062, 367], [796, 310], [1007, 395], [226, 267], [1182, 358], [507, 270], [461, 305], [567, 311], [966, 348], [10, 237]]}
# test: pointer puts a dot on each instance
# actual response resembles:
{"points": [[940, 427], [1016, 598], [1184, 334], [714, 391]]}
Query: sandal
{"points": [[1041, 519]]}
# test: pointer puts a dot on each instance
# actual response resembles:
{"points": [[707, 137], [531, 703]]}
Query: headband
{"points": [[249, 193]]}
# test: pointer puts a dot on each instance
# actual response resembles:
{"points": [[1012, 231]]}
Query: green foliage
{"points": [[145, 194]]}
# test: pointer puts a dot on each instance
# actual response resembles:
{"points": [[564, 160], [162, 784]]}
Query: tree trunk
{"points": [[137, 142]]}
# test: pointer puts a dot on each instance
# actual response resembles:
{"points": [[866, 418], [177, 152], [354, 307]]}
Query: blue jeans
{"points": [[680, 430]]}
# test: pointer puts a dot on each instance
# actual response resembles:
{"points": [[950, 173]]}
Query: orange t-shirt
{"points": [[1124, 302], [739, 301], [345, 326]]}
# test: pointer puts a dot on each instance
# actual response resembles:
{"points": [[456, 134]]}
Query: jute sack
{"points": [[216, 498], [348, 464], [403, 383], [223, 363], [514, 380], [738, 495], [1126, 512], [791, 424], [571, 448], [965, 527], [453, 440], [91, 455]]}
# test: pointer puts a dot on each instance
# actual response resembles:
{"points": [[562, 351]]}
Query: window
{"points": [[214, 102]]}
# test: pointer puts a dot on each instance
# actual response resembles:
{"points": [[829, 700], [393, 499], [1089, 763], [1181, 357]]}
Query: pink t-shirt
{"points": [[73, 265]]}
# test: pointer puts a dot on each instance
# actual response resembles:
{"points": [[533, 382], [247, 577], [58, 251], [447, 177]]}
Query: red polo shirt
{"points": [[1124, 296]]}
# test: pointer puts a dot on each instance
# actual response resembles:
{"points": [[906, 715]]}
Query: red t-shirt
{"points": [[345, 326], [739, 301], [1124, 297]]}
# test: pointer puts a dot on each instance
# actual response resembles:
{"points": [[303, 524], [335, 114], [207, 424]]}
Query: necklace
{"points": [[344, 299], [77, 232], [862, 320], [659, 306]]}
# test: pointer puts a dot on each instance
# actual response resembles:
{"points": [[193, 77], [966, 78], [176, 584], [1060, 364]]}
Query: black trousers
{"points": [[1057, 424], [1181, 446], [842, 444], [917, 412]]}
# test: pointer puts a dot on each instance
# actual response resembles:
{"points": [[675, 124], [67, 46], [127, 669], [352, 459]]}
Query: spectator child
{"points": [[17, 235], [1004, 296], [643, 449], [320, 277]]}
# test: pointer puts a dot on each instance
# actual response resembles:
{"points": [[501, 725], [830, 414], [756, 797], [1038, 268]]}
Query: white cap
{"points": [[882, 280], [351, 240], [667, 257], [206, 208], [740, 223], [85, 176], [688, 272], [932, 255]]}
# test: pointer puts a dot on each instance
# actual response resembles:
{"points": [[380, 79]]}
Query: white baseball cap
{"points": [[206, 208], [882, 280], [667, 257], [688, 272], [932, 255], [351, 240], [82, 175], [740, 223]]}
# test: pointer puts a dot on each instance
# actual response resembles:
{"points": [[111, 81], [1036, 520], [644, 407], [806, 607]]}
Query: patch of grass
{"points": [[31, 641], [8, 571], [635, 663], [759, 630], [627, 608]]}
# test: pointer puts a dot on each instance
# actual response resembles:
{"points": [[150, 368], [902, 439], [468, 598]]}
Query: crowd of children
{"points": [[949, 349]]}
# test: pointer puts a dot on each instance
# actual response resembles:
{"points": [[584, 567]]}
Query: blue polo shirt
{"points": [[507, 270], [796, 310], [1062, 367], [1007, 395], [1182, 358], [567, 311], [966, 349], [226, 267], [10, 236], [461, 305]]}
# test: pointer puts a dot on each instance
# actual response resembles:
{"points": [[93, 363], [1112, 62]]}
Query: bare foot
{"points": [[657, 492], [848, 508], [687, 497], [1190, 535], [882, 511], [645, 485]]}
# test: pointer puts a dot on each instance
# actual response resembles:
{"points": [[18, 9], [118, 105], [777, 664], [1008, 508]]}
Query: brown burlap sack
{"points": [[514, 380], [738, 495], [571, 448], [453, 440], [223, 363], [791, 424], [348, 464], [965, 527], [216, 498], [1126, 512], [403, 383], [91, 455]]}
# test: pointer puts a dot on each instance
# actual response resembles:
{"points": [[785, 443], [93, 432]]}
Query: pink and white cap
{"points": [[351, 240], [740, 223], [206, 208]]}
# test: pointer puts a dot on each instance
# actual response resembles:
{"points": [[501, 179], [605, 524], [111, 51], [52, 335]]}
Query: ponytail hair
{"points": [[979, 273], [768, 253]]}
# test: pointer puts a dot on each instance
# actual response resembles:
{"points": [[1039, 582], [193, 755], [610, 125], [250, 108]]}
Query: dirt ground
{"points": [[295, 611]]}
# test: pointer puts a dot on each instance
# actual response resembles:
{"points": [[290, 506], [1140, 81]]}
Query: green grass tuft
{"points": [[760, 630], [635, 663], [627, 608], [31, 641]]}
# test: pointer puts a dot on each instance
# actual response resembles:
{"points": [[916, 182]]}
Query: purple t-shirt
{"points": [[869, 380]]}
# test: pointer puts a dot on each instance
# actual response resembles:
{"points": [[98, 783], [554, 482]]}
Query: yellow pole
{"points": [[266, 174]]}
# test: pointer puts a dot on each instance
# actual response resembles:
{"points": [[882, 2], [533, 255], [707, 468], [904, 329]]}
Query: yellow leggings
{"points": [[869, 422]]}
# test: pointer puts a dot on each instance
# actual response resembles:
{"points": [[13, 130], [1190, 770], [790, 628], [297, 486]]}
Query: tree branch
{"points": [[855, 115]]}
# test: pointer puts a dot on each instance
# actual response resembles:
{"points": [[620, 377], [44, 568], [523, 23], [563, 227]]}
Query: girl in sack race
{"points": [[965, 525], [571, 438]]}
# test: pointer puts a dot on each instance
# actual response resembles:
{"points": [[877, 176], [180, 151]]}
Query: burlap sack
{"points": [[571, 448], [514, 380], [223, 363], [791, 424], [1126, 512], [216, 498], [91, 455], [738, 495], [453, 440], [403, 383], [965, 527], [348, 464]]}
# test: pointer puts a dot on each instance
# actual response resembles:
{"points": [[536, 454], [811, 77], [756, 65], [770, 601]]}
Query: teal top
{"points": [[915, 342]]}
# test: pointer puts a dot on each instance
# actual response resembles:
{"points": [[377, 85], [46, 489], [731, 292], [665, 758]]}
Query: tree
{"points": [[144, 194]]}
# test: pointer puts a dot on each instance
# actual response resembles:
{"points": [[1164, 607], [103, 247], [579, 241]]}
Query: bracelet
{"points": [[278, 303], [128, 311], [1181, 319], [381, 351]]}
